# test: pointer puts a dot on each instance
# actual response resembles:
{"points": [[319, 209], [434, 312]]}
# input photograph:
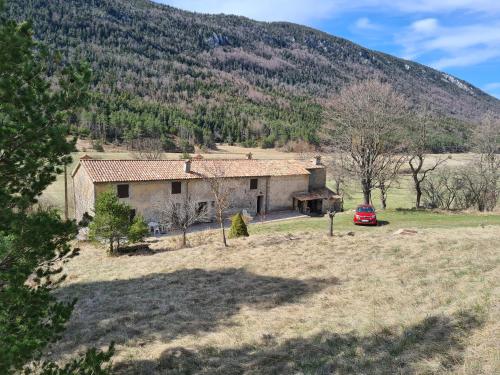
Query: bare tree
{"points": [[181, 216], [418, 142], [482, 176], [446, 189], [388, 177], [368, 118], [219, 186], [338, 173], [147, 148]]}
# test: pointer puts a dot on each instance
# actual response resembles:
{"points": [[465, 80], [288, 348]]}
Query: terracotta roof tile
{"points": [[323, 193], [157, 170]]}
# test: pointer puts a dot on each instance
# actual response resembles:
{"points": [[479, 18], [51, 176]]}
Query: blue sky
{"points": [[460, 37]]}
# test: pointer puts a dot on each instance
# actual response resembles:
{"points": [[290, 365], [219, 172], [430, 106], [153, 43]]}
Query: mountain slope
{"points": [[161, 71]]}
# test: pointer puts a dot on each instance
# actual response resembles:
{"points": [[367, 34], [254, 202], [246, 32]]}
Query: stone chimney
{"points": [[249, 156], [187, 166], [317, 160]]}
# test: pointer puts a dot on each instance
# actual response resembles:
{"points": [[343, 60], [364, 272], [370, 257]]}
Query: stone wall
{"points": [[84, 194], [282, 189], [146, 196], [317, 178]]}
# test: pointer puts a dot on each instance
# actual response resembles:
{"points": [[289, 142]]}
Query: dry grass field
{"points": [[294, 303], [290, 300]]}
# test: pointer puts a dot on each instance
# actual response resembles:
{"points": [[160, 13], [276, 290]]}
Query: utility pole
{"points": [[66, 213]]}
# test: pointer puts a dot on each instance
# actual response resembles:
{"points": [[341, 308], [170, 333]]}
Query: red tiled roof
{"points": [[158, 170], [323, 193]]}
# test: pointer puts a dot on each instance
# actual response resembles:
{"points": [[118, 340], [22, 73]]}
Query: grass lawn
{"points": [[388, 220], [299, 303], [291, 300]]}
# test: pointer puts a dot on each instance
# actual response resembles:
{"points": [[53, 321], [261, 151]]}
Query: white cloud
{"points": [[465, 58], [492, 86], [455, 46], [307, 11], [427, 25], [364, 23], [437, 6]]}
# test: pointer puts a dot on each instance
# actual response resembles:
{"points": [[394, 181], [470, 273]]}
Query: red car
{"points": [[365, 214]]}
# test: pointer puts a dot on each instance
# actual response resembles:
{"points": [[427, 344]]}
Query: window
{"points": [[176, 187], [254, 183], [365, 209], [122, 191], [200, 207]]}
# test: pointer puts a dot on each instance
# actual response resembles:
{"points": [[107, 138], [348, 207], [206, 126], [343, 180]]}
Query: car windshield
{"points": [[364, 209]]}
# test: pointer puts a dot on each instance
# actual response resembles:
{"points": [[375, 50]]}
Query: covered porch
{"points": [[317, 202]]}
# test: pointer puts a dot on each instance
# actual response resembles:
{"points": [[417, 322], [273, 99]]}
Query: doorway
{"points": [[259, 204]]}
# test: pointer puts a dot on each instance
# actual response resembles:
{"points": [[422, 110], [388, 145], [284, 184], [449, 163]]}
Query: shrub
{"points": [[185, 146], [185, 156], [111, 220], [138, 230], [208, 139], [268, 142], [249, 143], [97, 145], [462, 188], [86, 220], [168, 144], [238, 227], [444, 190], [83, 132]]}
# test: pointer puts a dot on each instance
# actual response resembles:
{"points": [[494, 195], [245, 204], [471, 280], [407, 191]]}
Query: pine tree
{"points": [[138, 230], [37, 102], [111, 221], [238, 227]]}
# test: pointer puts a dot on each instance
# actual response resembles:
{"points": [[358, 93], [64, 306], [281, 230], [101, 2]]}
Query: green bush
{"points": [[238, 227], [185, 156], [185, 146], [97, 145], [168, 144], [268, 142], [83, 132], [138, 230], [86, 220], [111, 221], [249, 143]]}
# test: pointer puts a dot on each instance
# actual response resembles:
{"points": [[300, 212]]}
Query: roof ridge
{"points": [[196, 160], [113, 170]]}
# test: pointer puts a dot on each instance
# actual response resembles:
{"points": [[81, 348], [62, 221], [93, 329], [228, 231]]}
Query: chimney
{"points": [[316, 160], [249, 156], [187, 166]]}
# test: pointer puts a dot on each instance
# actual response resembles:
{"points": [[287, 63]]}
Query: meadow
{"points": [[370, 302], [291, 300]]}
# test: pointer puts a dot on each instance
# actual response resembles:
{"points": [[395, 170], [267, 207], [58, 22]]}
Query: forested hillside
{"points": [[165, 73]]}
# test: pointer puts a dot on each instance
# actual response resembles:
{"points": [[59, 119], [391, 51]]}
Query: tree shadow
{"points": [[381, 223], [164, 306], [437, 339], [142, 249]]}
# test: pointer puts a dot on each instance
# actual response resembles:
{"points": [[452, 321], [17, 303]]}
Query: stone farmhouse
{"points": [[257, 186]]}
